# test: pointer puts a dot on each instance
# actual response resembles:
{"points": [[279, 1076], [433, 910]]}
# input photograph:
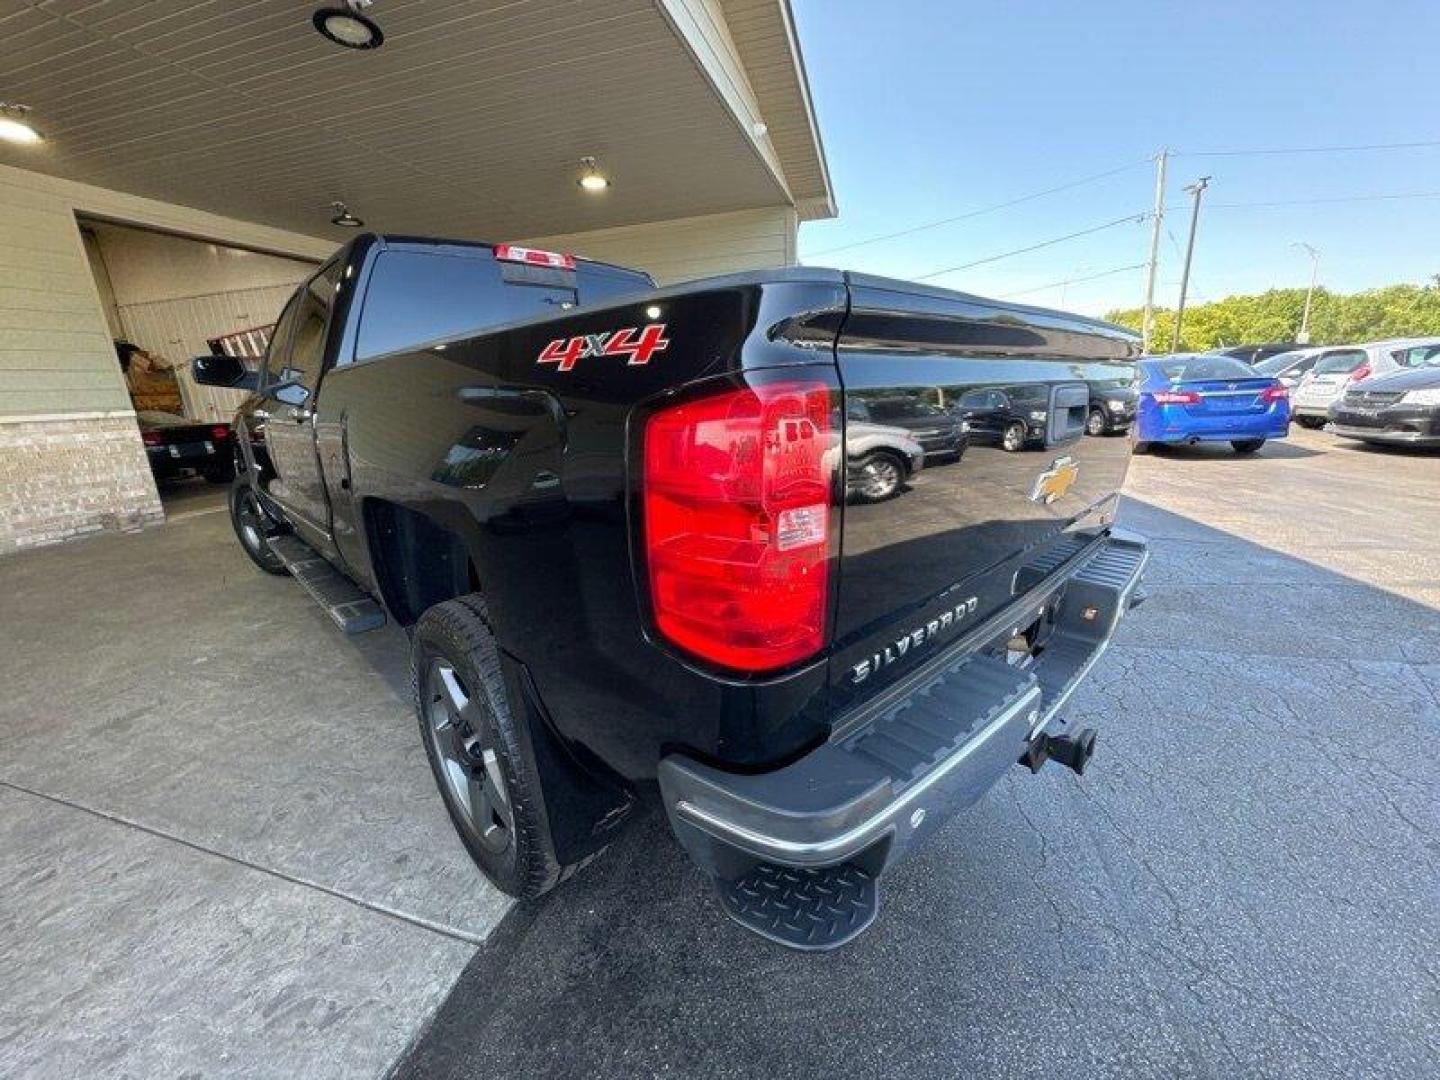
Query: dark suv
{"points": [[1011, 417]]}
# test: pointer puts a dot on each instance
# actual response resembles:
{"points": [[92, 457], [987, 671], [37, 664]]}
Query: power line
{"points": [[1128, 218], [1309, 149], [1074, 280], [977, 213], [1331, 199]]}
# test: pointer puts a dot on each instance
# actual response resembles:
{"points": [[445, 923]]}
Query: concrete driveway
{"points": [[220, 852]]}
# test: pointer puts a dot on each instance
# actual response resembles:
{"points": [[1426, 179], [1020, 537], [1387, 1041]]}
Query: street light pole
{"points": [[1197, 189], [1303, 337], [1157, 219]]}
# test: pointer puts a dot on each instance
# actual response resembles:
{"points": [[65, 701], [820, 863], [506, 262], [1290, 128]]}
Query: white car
{"points": [[1289, 367], [1339, 366]]}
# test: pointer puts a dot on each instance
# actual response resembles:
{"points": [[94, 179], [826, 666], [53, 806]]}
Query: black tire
{"points": [[1138, 447], [252, 527], [879, 476], [1013, 437], [1314, 423], [1095, 423], [479, 754], [1246, 446]]}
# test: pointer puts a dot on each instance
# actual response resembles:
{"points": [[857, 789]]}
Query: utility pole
{"points": [[1157, 218], [1197, 189], [1303, 337]]}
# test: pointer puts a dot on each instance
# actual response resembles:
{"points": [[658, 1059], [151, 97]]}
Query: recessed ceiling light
{"points": [[346, 26], [14, 127], [343, 217], [592, 179]]}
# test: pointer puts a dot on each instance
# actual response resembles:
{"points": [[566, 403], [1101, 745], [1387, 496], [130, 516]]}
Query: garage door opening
{"points": [[168, 299]]}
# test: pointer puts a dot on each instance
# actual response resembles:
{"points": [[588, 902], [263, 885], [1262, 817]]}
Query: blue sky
{"points": [[933, 108]]}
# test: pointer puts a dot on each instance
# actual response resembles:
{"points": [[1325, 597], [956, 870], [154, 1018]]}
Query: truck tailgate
{"points": [[967, 533]]}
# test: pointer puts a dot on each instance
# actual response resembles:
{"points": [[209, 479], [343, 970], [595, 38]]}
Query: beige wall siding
{"points": [[173, 294], [689, 248], [146, 266], [179, 330], [71, 460], [55, 346], [55, 351]]}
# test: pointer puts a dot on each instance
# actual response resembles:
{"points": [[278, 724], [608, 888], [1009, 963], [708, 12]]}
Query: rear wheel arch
{"points": [[415, 560]]}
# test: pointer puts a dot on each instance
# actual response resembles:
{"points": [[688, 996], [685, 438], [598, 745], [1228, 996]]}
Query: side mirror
{"points": [[223, 371]]}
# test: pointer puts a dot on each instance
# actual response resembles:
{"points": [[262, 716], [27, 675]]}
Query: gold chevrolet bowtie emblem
{"points": [[1055, 481]]}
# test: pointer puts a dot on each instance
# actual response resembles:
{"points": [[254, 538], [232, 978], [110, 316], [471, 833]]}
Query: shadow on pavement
{"points": [[1243, 884], [1223, 451]]}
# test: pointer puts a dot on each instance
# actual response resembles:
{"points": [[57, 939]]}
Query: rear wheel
{"points": [[1013, 438], [253, 527], [477, 752], [1311, 422], [1095, 423], [880, 477], [1246, 446]]}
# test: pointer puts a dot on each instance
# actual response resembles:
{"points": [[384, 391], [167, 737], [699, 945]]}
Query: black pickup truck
{"points": [[613, 520]]}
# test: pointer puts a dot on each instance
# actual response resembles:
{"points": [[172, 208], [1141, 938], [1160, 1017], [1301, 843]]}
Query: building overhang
{"points": [[471, 120]]}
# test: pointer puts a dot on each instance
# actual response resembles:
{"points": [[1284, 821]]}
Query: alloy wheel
{"points": [[881, 478], [1095, 424], [464, 737], [1014, 437]]}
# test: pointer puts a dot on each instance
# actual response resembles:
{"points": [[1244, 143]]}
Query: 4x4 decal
{"points": [[638, 343]]}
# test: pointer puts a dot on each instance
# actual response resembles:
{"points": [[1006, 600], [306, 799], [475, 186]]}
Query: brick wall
{"points": [[66, 476]]}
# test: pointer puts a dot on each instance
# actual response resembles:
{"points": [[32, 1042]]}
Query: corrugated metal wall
{"points": [[179, 330]]}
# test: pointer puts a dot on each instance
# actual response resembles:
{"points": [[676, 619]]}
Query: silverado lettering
{"points": [[919, 636]]}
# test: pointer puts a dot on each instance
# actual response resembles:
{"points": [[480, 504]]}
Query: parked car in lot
{"points": [[612, 519], [1112, 405], [1203, 397], [878, 459], [1011, 417], [1340, 367], [177, 447], [1255, 354], [1289, 367], [1400, 409], [941, 434]]}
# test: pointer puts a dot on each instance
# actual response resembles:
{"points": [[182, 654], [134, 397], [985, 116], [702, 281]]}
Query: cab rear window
{"points": [[1190, 368], [415, 297], [1338, 362]]}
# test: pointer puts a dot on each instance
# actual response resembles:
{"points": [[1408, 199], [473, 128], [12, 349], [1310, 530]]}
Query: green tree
{"points": [[1274, 315]]}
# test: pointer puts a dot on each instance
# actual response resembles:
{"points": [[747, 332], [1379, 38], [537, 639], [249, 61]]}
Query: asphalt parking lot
{"points": [[1245, 883]]}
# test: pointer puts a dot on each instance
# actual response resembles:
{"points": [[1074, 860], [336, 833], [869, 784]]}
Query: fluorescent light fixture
{"points": [[14, 127], [347, 27], [592, 179]]}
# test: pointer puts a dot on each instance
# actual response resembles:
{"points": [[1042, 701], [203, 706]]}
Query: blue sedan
{"points": [[1196, 397]]}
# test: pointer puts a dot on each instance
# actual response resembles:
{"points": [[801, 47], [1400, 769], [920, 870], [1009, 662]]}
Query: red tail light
{"points": [[1176, 397], [151, 438], [220, 432], [739, 523], [1278, 392], [1361, 372]]}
